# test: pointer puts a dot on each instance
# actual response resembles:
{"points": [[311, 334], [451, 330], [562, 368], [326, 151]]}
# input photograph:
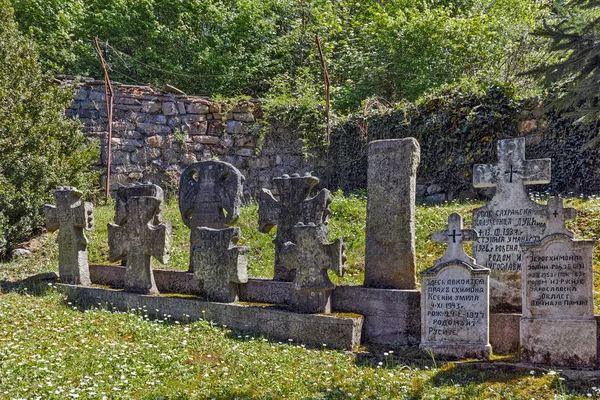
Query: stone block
{"points": [[197, 108], [504, 333], [336, 332], [81, 94], [180, 107], [245, 152], [169, 108], [151, 107], [158, 141], [153, 129], [97, 96], [235, 127], [245, 117], [390, 244], [206, 139]]}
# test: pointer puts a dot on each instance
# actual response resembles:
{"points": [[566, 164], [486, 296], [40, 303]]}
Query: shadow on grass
{"points": [[36, 285]]}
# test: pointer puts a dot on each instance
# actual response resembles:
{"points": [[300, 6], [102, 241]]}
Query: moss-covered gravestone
{"points": [[455, 299], [71, 217]]}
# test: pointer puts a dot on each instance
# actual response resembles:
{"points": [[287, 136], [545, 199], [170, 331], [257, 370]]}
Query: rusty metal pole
{"points": [[327, 85], [109, 100]]}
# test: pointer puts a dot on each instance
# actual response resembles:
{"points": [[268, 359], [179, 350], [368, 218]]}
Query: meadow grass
{"points": [[52, 349]]}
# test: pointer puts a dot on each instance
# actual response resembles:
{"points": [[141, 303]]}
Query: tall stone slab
{"points": [[311, 257], [292, 207], [219, 263], [391, 187], [455, 299], [558, 325], [139, 240], [71, 217], [510, 218], [210, 196]]}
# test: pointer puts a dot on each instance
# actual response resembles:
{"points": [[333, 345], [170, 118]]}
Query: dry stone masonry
{"points": [[157, 134], [455, 299], [391, 179], [219, 263], [311, 256], [71, 216], [558, 325], [292, 207], [510, 218], [139, 240]]}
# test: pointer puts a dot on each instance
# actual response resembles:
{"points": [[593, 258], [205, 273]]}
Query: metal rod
{"points": [[327, 85]]}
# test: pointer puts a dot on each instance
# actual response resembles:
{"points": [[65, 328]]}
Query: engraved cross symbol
{"points": [[511, 172], [455, 251]]}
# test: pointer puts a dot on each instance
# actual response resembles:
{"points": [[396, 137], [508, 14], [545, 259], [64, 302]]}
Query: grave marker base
{"points": [[458, 351], [570, 343], [312, 329]]}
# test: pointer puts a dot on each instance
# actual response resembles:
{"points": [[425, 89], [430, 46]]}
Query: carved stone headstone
{"points": [[508, 219], [71, 216], [558, 325], [210, 196], [136, 190], [220, 263], [292, 207], [140, 240], [391, 188], [455, 299], [311, 257]]}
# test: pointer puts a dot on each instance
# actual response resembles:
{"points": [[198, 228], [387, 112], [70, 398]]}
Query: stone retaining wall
{"points": [[156, 134]]}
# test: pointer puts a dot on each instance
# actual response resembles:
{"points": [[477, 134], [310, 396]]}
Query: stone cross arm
{"points": [[156, 241], [268, 211], [455, 236]]}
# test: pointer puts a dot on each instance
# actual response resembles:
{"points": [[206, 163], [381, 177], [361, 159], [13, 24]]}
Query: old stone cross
{"points": [[139, 240], [210, 196], [455, 236], [220, 263], [512, 169], [291, 208], [71, 216], [557, 215], [311, 257]]}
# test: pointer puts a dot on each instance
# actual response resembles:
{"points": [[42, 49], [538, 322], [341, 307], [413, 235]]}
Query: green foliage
{"points": [[574, 72], [394, 49], [41, 148]]}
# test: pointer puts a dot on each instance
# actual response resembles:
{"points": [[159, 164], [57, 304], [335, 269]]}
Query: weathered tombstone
{"points": [[136, 190], [311, 257], [391, 188], [558, 325], [139, 240], [292, 207], [71, 216], [210, 196], [219, 263], [510, 218], [455, 299]]}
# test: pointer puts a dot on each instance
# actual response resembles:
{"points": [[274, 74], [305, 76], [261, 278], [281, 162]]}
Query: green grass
{"points": [[52, 350]]}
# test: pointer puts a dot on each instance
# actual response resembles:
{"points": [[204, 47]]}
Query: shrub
{"points": [[40, 148]]}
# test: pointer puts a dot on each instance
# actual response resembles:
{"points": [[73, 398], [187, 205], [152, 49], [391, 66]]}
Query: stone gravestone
{"points": [[210, 196], [558, 325], [292, 207], [510, 218], [311, 257], [391, 188], [134, 190], [139, 240], [71, 216], [455, 299], [220, 263]]}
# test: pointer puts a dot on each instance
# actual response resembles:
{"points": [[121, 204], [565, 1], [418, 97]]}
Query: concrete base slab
{"points": [[458, 351], [335, 332], [571, 343], [391, 316]]}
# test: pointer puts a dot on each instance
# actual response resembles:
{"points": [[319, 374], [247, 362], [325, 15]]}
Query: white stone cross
{"points": [[557, 214], [455, 236], [512, 168]]}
